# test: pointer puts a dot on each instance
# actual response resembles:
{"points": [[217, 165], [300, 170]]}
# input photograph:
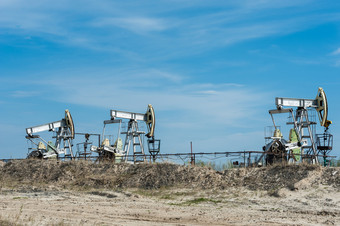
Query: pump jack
{"points": [[120, 151], [64, 130], [305, 140]]}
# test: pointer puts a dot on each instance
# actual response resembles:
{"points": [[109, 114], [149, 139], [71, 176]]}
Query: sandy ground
{"points": [[83, 193], [309, 206]]}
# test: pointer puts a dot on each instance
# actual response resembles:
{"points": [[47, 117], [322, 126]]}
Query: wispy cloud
{"points": [[217, 103], [165, 29], [335, 57], [25, 94], [336, 52], [181, 56], [337, 63], [155, 75], [134, 24]]}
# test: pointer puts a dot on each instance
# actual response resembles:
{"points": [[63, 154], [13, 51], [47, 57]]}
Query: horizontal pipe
{"points": [[203, 153]]}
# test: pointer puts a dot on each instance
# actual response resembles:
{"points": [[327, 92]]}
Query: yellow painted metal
{"points": [[41, 146], [277, 133], [328, 122], [322, 107], [69, 122], [150, 121], [106, 142]]}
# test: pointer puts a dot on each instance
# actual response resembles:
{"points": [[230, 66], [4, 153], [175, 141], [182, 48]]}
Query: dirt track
{"points": [[291, 195]]}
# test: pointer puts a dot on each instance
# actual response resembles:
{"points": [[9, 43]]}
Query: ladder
{"points": [[64, 137], [133, 138], [303, 126]]}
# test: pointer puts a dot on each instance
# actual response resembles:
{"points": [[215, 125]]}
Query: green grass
{"points": [[20, 197], [167, 196]]}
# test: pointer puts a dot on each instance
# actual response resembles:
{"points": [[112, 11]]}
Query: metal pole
{"points": [[249, 161], [244, 159], [273, 121], [192, 158]]}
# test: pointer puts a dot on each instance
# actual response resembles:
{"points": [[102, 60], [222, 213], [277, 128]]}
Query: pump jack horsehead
{"points": [[64, 134], [301, 142]]}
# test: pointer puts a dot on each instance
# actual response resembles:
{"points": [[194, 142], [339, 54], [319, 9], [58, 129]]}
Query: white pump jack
{"points": [[132, 136], [64, 135], [301, 120]]}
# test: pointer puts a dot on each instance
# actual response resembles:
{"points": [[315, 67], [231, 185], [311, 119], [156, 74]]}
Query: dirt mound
{"points": [[87, 174], [82, 174], [278, 176]]}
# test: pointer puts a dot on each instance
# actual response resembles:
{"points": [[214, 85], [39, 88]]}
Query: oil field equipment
{"points": [[121, 150], [84, 148], [303, 141], [64, 134]]}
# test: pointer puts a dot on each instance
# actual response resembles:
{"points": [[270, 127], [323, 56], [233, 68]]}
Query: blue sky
{"points": [[211, 69]]}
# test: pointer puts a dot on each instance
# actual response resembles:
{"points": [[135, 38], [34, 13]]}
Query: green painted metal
{"points": [[293, 138]]}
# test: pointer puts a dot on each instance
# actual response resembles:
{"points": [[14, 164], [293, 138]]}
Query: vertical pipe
{"points": [[244, 159], [103, 132], [98, 140], [192, 157], [273, 121], [85, 146], [249, 161]]}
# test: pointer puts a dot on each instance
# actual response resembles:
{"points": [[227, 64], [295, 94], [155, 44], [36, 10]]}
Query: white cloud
{"points": [[209, 92], [185, 111], [167, 33], [25, 94], [93, 25], [134, 24], [223, 104], [337, 63], [155, 74], [336, 52]]}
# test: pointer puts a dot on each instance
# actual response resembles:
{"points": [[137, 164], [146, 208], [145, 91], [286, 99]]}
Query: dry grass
{"points": [[7, 223], [155, 179]]}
